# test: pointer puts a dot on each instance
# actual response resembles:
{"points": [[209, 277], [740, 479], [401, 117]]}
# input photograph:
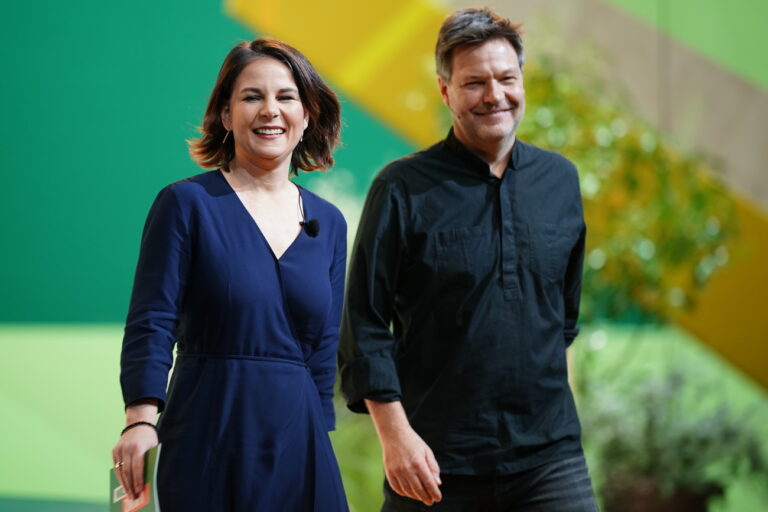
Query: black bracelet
{"points": [[129, 427]]}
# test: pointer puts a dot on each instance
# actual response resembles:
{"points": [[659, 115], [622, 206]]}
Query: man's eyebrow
{"points": [[472, 77], [508, 71]]}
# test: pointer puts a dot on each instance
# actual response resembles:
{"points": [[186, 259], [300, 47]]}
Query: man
{"points": [[463, 295]]}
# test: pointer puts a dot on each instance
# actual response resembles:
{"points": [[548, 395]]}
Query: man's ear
{"points": [[443, 85]]}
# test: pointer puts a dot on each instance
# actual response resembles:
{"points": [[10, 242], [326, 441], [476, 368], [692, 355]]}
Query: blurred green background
{"points": [[99, 99]]}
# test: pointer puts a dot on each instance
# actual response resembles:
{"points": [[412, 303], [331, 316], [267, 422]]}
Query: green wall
{"points": [[98, 99]]}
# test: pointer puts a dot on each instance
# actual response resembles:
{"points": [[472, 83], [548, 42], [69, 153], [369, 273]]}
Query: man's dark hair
{"points": [[474, 26], [314, 151]]}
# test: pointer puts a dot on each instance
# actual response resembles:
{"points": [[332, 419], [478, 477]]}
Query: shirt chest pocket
{"points": [[549, 249], [464, 256]]}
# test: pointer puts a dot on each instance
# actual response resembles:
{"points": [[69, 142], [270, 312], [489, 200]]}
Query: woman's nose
{"points": [[268, 109]]}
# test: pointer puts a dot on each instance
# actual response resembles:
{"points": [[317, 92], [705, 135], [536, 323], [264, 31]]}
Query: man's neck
{"points": [[496, 155]]}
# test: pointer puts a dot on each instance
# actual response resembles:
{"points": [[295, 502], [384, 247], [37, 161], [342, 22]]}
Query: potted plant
{"points": [[662, 446]]}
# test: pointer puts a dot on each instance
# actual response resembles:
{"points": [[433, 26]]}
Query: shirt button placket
{"points": [[509, 281]]}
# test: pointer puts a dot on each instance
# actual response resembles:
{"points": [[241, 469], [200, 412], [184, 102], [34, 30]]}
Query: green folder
{"points": [[147, 500]]}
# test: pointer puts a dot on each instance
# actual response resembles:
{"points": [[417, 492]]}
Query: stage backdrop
{"points": [[98, 98]]}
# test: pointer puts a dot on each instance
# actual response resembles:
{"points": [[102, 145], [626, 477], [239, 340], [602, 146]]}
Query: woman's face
{"points": [[265, 114]]}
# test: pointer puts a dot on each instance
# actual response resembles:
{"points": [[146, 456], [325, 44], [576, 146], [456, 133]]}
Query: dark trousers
{"points": [[559, 486]]}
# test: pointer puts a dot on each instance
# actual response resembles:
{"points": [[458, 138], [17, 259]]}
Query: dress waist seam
{"points": [[187, 355]]}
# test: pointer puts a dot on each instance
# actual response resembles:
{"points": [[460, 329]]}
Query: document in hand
{"points": [[147, 500]]}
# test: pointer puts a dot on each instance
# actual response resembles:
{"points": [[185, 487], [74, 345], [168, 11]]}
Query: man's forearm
{"points": [[389, 419]]}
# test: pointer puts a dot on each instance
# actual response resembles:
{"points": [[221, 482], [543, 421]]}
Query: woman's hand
{"points": [[128, 453]]}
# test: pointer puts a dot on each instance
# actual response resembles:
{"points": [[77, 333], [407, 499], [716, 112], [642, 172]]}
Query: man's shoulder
{"points": [[401, 169], [546, 156]]}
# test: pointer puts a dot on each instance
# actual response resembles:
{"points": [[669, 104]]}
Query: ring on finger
{"points": [[119, 464]]}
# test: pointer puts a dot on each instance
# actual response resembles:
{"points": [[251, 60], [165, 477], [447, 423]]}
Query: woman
{"points": [[244, 272]]}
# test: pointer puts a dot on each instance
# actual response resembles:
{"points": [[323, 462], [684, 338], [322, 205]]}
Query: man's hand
{"points": [[409, 464]]}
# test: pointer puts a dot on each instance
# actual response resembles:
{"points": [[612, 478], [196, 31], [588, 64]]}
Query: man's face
{"points": [[485, 92]]}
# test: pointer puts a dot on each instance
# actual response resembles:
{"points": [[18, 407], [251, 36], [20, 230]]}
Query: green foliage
{"points": [[359, 456], [661, 412], [661, 428], [658, 220]]}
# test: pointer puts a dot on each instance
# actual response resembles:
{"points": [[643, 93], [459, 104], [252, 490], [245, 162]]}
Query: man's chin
{"points": [[497, 133]]}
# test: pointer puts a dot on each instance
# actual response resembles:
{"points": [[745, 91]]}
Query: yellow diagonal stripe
{"points": [[383, 44]]}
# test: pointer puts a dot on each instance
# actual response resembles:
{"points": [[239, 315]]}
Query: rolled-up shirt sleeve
{"points": [[366, 341]]}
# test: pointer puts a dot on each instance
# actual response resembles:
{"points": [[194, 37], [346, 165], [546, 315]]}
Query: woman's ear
{"points": [[226, 118]]}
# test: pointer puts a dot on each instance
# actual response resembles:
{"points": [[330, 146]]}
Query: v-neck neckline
{"points": [[260, 233]]}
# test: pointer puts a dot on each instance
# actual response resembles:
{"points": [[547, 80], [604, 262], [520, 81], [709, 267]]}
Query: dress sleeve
{"points": [[573, 277], [366, 342], [322, 362], [161, 276]]}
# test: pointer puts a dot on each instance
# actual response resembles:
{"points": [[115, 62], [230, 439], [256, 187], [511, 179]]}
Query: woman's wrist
{"points": [[142, 410], [136, 424]]}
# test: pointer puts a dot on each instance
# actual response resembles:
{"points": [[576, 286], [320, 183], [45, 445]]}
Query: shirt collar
{"points": [[477, 164]]}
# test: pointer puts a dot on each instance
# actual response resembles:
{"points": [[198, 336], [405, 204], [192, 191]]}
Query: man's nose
{"points": [[493, 92]]}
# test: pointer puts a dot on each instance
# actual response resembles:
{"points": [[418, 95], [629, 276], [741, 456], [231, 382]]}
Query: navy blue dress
{"points": [[244, 426]]}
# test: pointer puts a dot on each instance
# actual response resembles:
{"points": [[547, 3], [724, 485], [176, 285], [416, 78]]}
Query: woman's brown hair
{"points": [[314, 151]]}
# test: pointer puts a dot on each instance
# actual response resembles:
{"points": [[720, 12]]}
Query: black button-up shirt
{"points": [[463, 294]]}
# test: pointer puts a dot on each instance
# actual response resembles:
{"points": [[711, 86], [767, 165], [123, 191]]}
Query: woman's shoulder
{"points": [[195, 188], [183, 197], [206, 182]]}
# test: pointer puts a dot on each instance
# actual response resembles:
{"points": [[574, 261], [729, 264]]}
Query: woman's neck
{"points": [[246, 175]]}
